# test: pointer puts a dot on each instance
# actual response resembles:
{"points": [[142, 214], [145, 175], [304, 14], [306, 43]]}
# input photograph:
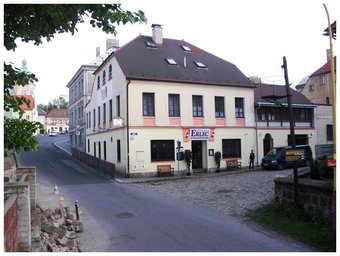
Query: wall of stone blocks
{"points": [[314, 195], [30, 172]]}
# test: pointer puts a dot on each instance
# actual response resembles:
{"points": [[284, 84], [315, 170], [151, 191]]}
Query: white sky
{"points": [[252, 34]]}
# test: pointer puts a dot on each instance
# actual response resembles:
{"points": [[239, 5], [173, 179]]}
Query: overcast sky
{"points": [[252, 34]]}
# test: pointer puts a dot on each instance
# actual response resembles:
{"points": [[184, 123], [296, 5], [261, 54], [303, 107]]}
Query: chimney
{"points": [[157, 33], [112, 43], [97, 51]]}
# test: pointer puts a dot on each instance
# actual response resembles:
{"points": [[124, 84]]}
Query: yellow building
{"points": [[153, 92]]}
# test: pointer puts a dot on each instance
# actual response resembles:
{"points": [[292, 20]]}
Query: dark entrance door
{"points": [[196, 146], [267, 143]]}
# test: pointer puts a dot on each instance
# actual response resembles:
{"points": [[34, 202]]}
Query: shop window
{"points": [[231, 148], [162, 150]]}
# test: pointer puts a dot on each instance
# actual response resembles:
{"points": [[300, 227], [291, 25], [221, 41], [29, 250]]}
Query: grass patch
{"points": [[287, 219]]}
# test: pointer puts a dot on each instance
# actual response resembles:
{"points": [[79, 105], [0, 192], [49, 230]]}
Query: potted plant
{"points": [[187, 159], [218, 157]]}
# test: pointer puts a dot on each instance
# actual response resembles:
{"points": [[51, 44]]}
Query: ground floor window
{"points": [[118, 151], [231, 148], [300, 139], [162, 150]]}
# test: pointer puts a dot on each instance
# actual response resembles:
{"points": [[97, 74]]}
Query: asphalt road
{"points": [[129, 218]]}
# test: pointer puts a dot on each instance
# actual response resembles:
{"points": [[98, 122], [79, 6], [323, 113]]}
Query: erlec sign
{"points": [[199, 134]]}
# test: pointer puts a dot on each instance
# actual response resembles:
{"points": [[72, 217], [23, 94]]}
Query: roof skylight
{"points": [[199, 64], [171, 61], [150, 44], [186, 48]]}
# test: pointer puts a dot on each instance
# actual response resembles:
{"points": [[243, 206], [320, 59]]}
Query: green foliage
{"points": [[217, 157], [320, 170], [187, 158], [21, 133], [33, 22], [313, 230], [314, 170]]}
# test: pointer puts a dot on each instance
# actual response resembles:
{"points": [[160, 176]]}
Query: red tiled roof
{"points": [[24, 106], [325, 68], [62, 112]]}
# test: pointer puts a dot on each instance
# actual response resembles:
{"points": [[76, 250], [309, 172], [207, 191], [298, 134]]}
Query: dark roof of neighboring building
{"points": [[41, 112], [58, 112], [278, 92], [24, 105], [326, 68], [141, 62], [333, 29]]}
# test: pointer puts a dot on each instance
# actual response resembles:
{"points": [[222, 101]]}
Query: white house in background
{"points": [[153, 92], [80, 88]]}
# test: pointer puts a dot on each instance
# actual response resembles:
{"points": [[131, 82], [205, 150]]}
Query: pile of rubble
{"points": [[56, 231]]}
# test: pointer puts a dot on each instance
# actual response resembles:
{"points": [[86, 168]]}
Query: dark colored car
{"points": [[276, 158]]}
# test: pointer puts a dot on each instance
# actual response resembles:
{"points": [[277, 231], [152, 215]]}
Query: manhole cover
{"points": [[224, 191], [124, 215]]}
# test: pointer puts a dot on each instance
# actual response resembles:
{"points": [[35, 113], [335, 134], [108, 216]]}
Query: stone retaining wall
{"points": [[314, 195]]}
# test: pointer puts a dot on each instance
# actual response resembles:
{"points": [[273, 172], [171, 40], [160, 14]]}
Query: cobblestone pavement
{"points": [[227, 193]]}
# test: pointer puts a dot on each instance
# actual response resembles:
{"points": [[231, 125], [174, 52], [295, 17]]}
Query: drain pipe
{"points": [[256, 135], [127, 130]]}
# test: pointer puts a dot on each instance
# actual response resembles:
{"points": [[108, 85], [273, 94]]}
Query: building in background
{"points": [[318, 90], [28, 92], [80, 88], [272, 119], [42, 118], [57, 120]]}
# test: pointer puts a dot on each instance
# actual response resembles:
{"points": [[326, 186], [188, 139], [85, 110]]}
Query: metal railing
{"points": [[100, 165]]}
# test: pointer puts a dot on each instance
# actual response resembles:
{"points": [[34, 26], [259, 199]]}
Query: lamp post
{"points": [[330, 33]]}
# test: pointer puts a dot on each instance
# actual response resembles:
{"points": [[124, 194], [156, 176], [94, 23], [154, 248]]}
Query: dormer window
{"points": [[199, 64], [150, 44], [186, 48], [171, 61]]}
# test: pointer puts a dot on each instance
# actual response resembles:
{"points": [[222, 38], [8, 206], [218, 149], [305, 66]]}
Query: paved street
{"points": [[227, 193], [175, 214]]}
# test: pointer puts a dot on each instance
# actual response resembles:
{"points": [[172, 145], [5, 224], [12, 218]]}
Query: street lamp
{"points": [[330, 34]]}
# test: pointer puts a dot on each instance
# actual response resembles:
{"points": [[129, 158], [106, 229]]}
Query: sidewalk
{"points": [[65, 146]]}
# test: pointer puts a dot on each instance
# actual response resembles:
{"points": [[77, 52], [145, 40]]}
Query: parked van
{"points": [[276, 158]]}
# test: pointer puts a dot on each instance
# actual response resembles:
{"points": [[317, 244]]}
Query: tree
{"points": [[33, 23], [255, 79]]}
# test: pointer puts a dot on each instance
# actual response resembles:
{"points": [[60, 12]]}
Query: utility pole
{"points": [[292, 132]]}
